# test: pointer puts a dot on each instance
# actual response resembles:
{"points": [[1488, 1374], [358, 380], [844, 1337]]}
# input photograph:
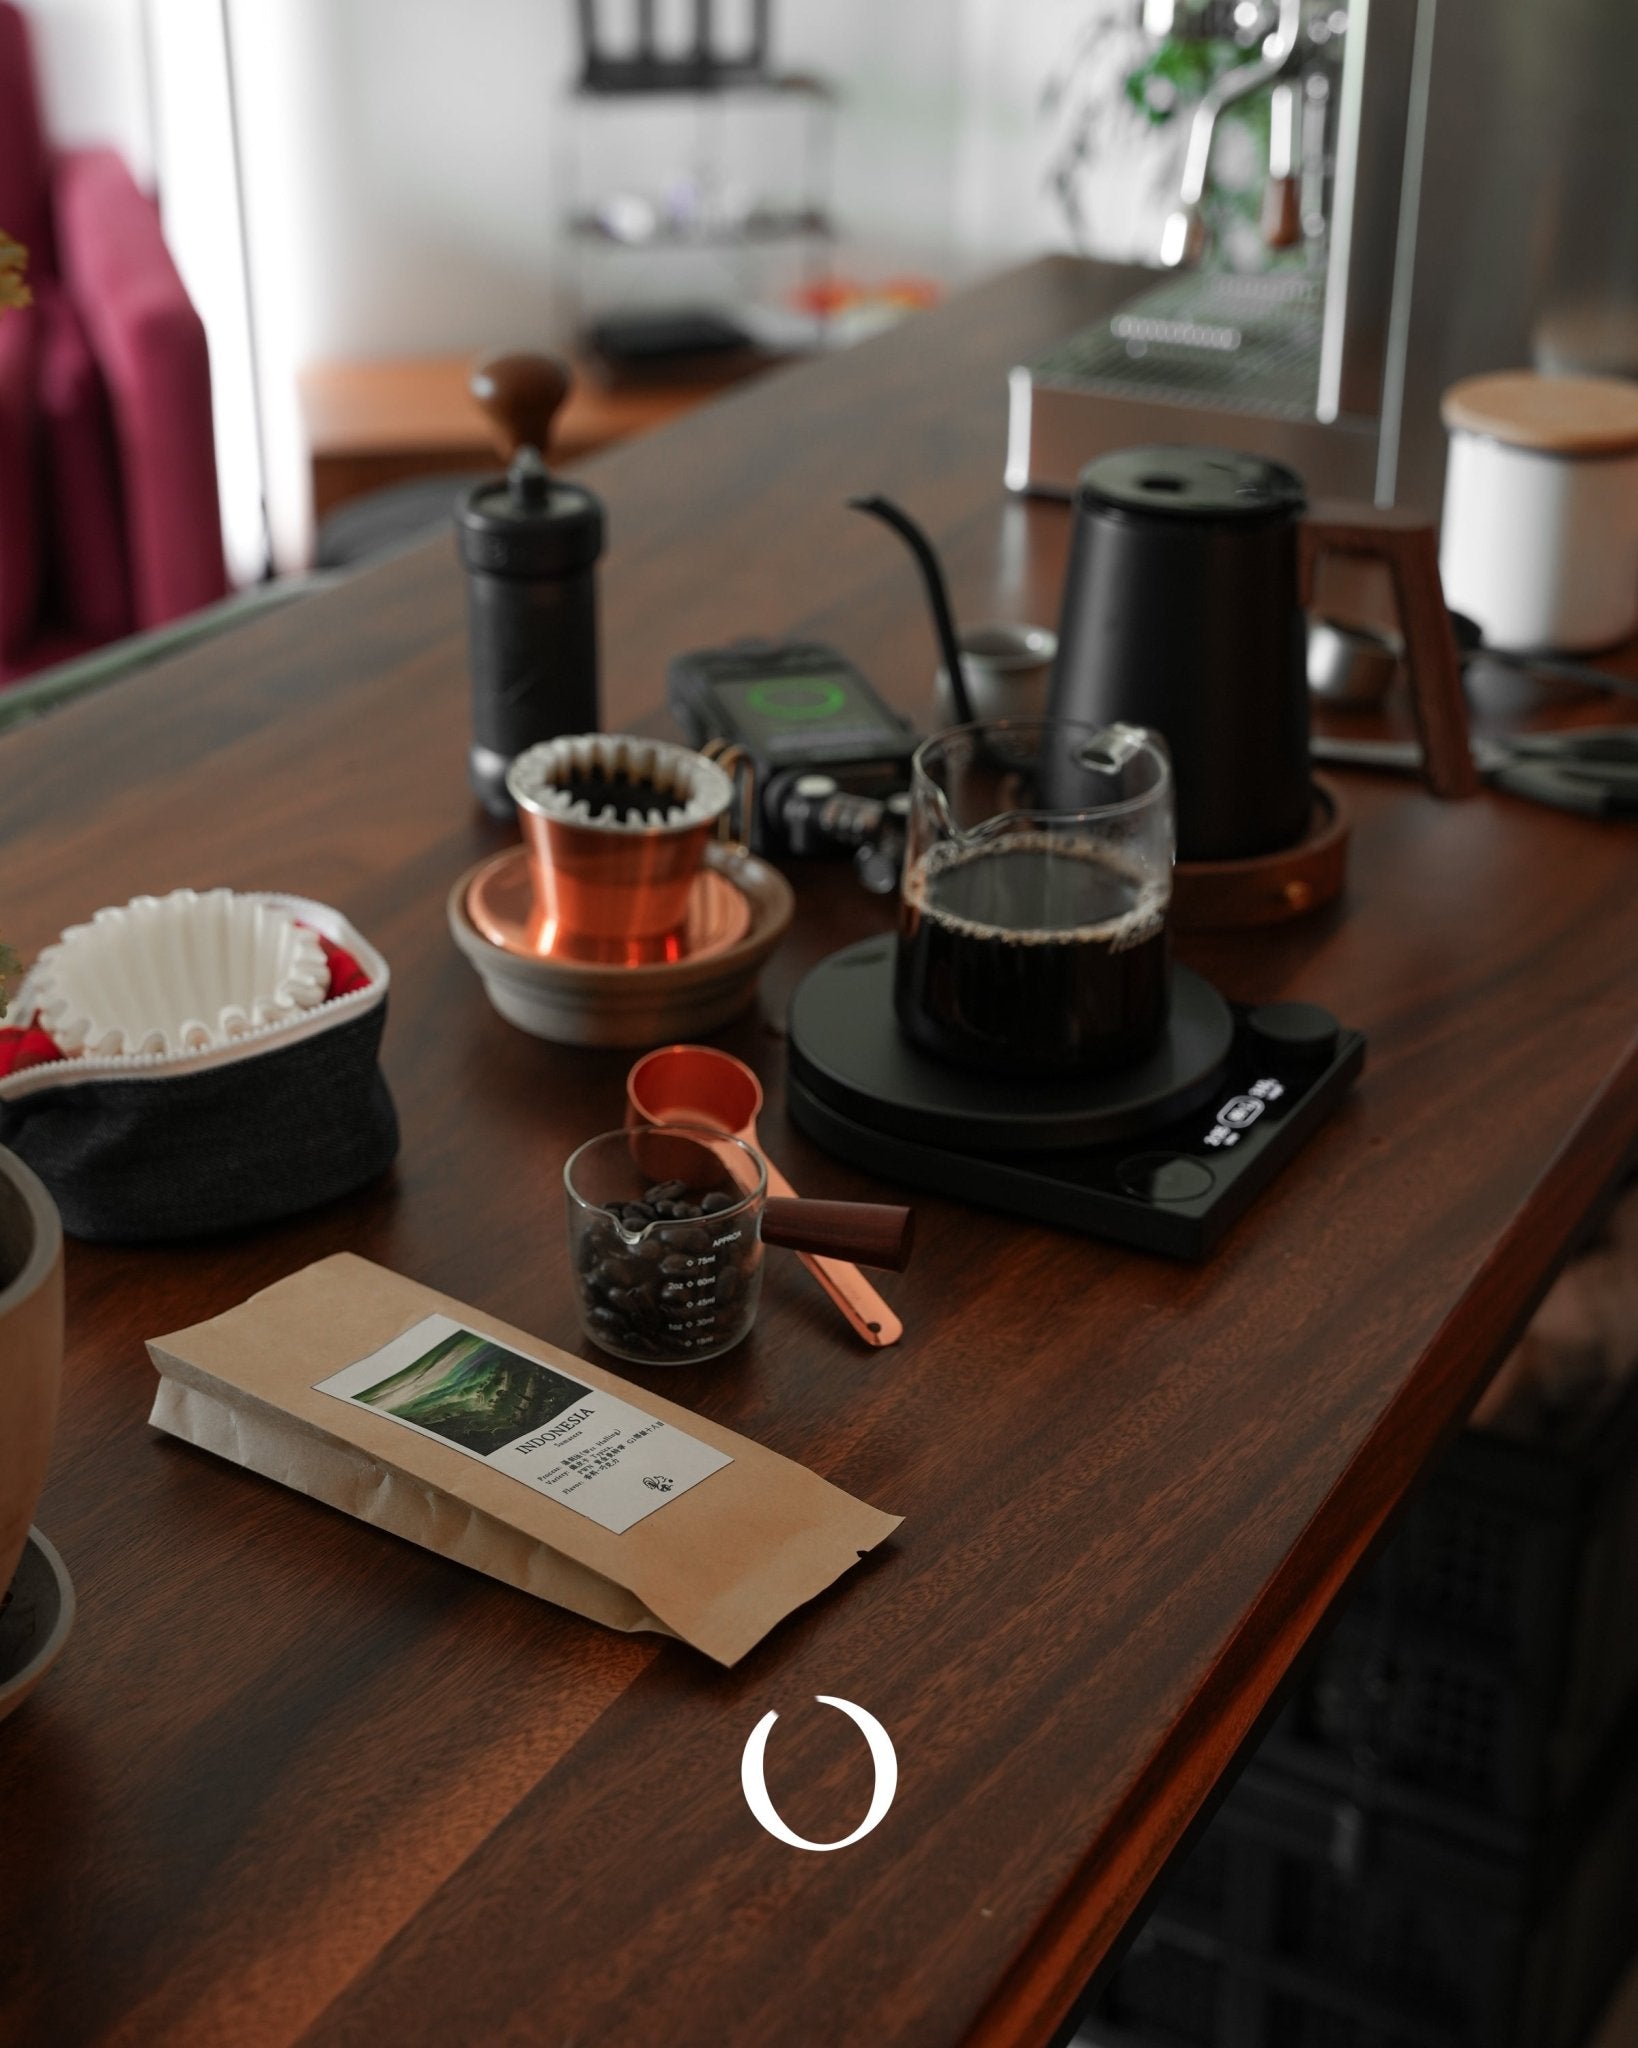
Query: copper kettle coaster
{"points": [[1271, 888], [502, 903], [577, 1002]]}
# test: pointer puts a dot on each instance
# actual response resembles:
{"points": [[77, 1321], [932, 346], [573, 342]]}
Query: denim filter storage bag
{"points": [[156, 1145]]}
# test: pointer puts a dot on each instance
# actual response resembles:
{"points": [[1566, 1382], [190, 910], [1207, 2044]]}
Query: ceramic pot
{"points": [[1540, 535], [31, 1348]]}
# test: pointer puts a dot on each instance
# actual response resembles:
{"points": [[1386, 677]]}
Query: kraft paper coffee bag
{"points": [[406, 1408]]}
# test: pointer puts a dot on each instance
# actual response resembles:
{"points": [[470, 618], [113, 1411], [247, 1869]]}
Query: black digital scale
{"points": [[1164, 1155]]}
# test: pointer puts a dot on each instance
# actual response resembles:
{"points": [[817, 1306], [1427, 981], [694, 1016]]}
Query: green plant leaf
{"points": [[1183, 67]]}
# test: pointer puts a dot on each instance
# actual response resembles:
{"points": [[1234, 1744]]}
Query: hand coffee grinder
{"points": [[529, 543]]}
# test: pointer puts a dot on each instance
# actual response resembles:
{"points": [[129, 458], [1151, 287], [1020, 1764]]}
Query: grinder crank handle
{"points": [[869, 1315]]}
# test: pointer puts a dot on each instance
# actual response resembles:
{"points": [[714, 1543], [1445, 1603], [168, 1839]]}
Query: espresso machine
{"points": [[1452, 187]]}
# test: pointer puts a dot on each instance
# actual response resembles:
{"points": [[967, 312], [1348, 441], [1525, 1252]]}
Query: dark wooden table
{"points": [[295, 1780]]}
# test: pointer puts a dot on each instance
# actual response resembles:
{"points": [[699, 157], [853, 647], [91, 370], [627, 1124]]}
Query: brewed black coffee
{"points": [[1031, 955]]}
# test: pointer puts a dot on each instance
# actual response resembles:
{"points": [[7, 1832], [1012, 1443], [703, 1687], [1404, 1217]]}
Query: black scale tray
{"points": [[1164, 1155]]}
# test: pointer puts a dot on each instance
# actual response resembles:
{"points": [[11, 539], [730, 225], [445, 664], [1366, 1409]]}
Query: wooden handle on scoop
{"points": [[865, 1233]]}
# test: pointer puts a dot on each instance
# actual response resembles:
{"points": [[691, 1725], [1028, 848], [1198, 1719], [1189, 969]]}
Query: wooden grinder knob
{"points": [[520, 396]]}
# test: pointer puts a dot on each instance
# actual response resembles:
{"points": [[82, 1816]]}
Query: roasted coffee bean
{"points": [[674, 1288]]}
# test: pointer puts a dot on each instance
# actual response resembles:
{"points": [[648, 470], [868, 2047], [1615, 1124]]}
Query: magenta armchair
{"points": [[109, 517]]}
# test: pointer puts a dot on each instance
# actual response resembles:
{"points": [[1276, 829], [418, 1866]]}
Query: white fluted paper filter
{"points": [[642, 785], [178, 973]]}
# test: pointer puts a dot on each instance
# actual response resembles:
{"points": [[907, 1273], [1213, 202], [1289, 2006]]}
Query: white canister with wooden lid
{"points": [[1540, 538]]}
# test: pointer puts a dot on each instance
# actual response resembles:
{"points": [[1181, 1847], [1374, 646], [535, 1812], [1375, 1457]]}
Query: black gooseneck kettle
{"points": [[1182, 611]]}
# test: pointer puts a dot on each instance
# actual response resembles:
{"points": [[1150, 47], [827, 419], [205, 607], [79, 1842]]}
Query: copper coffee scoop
{"points": [[698, 1084]]}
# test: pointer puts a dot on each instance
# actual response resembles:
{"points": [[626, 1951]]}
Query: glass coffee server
{"points": [[1037, 875]]}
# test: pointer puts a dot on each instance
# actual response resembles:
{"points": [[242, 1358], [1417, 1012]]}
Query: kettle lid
{"points": [[1190, 483]]}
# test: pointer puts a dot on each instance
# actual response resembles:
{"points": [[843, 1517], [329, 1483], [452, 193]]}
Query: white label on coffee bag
{"points": [[588, 1449]]}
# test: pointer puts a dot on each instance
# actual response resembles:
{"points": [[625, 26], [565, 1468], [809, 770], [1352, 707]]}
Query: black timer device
{"points": [[828, 754]]}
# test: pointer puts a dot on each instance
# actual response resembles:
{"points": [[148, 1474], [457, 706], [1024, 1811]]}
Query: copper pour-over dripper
{"points": [[616, 829]]}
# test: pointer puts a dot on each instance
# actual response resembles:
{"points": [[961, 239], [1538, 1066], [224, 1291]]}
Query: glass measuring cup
{"points": [[665, 1241], [1032, 914]]}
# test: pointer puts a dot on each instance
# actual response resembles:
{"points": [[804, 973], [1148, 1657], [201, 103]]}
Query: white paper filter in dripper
{"points": [[178, 973]]}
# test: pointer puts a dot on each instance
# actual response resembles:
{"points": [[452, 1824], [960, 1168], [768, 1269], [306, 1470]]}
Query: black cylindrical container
{"points": [[529, 544], [1181, 611]]}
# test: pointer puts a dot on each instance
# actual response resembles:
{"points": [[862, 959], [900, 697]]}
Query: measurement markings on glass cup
{"points": [[700, 1300]]}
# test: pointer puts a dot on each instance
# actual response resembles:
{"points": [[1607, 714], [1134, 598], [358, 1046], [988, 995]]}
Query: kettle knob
{"points": [[520, 395]]}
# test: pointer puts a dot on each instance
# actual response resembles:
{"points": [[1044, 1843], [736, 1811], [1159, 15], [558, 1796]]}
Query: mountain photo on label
{"points": [[475, 1392]]}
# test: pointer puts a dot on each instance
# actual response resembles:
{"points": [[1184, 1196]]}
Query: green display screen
{"points": [[772, 711]]}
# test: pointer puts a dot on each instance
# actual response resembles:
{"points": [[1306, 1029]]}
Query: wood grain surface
{"points": [[297, 1781]]}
